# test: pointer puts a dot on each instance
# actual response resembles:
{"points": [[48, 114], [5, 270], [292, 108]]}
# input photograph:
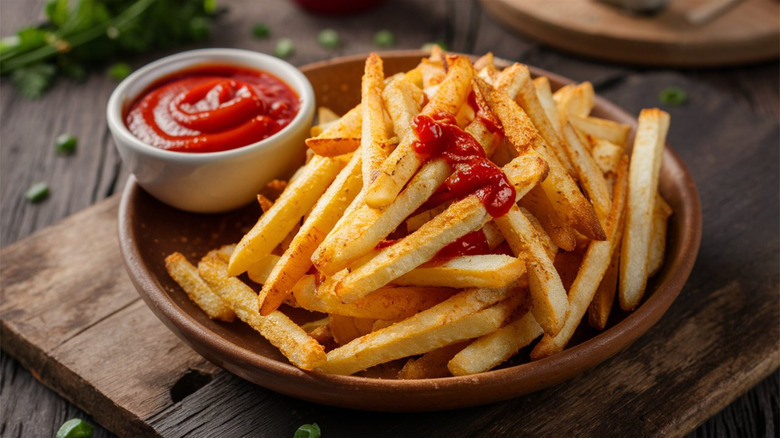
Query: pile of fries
{"points": [[364, 235]]}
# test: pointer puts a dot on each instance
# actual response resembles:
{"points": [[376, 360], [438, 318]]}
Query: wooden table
{"points": [[94, 173]]}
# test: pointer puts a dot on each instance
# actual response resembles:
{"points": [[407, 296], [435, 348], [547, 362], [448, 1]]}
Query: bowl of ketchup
{"points": [[205, 130]]}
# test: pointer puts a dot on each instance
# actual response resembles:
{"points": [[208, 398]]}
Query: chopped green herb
{"points": [[674, 96], [75, 428], [261, 31], [210, 6], [328, 38], [284, 48], [82, 33], [119, 71], [34, 80], [37, 193], [308, 431], [384, 38], [65, 144], [440, 43]]}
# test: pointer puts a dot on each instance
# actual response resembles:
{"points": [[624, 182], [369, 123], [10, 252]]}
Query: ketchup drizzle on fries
{"points": [[474, 172]]}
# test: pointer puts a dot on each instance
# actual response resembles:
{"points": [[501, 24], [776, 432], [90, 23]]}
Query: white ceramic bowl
{"points": [[213, 181]]}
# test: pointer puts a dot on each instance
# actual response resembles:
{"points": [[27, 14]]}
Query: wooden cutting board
{"points": [[748, 31], [71, 316]]}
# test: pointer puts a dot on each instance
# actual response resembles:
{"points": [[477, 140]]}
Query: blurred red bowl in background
{"points": [[335, 7]]}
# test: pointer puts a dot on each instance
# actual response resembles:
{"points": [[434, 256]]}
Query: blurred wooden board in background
{"points": [[749, 31]]}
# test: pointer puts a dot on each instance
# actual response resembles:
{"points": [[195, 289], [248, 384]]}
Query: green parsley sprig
{"points": [[87, 32]]}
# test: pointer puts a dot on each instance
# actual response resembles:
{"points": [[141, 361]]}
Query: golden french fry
{"points": [[547, 293], [495, 348], [539, 205], [541, 235], [344, 328], [606, 154], [466, 315], [326, 115], [295, 201], [603, 129], [374, 137], [643, 185], [416, 221], [590, 175], [530, 103], [432, 364], [601, 306], [594, 265], [543, 91], [490, 270], [296, 260], [294, 343], [562, 97], [485, 60], [661, 213], [260, 271], [186, 275], [341, 137], [389, 303]]}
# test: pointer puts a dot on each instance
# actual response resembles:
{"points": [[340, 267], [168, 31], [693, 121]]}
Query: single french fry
{"points": [[374, 138], [484, 61], [603, 129], [590, 175], [530, 103], [403, 162], [260, 271], [543, 91], [559, 186], [492, 234], [296, 260], [490, 270], [389, 303], [416, 221], [343, 329], [540, 206], [562, 97], [495, 348], [432, 73], [432, 364], [295, 201], [359, 231], [594, 265], [421, 246], [467, 315], [643, 185], [326, 115], [294, 343], [547, 293], [606, 154], [186, 275], [601, 306], [341, 137], [541, 235], [265, 203], [581, 101], [661, 213]]}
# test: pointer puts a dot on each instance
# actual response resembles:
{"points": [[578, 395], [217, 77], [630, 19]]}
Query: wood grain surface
{"points": [[727, 134], [747, 31]]}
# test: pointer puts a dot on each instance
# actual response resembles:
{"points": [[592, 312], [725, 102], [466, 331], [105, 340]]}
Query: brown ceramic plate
{"points": [[150, 230]]}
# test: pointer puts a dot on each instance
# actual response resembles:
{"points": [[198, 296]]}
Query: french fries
{"points": [[504, 219], [643, 182]]}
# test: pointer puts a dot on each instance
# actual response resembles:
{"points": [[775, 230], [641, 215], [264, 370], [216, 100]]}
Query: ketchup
{"points": [[212, 108], [473, 172]]}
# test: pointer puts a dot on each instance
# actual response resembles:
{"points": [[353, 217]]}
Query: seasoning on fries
{"points": [[426, 225]]}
